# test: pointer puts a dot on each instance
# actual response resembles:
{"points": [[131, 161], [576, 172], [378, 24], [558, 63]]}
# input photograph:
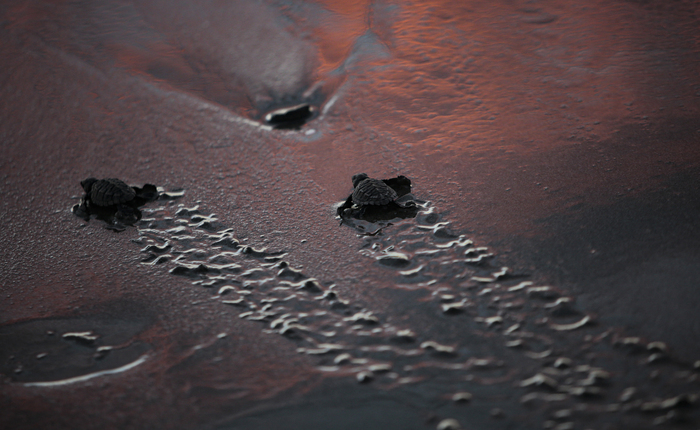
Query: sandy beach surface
{"points": [[548, 280]]}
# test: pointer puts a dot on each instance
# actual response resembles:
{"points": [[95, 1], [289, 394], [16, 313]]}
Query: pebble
{"points": [[462, 397], [449, 424]]}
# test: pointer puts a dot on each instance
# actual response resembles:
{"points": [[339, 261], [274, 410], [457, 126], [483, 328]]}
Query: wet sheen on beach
{"points": [[540, 271]]}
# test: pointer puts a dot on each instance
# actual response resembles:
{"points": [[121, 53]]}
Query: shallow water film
{"points": [[540, 272]]}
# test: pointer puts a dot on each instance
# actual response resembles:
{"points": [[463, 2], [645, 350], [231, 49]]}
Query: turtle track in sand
{"points": [[510, 343]]}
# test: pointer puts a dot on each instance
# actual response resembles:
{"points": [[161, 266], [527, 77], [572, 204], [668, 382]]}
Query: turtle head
{"points": [[87, 184], [356, 179]]}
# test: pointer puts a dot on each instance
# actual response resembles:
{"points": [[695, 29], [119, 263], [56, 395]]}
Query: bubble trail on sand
{"points": [[504, 331]]}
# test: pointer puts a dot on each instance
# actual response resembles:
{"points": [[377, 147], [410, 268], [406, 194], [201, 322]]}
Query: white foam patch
{"points": [[89, 376]]}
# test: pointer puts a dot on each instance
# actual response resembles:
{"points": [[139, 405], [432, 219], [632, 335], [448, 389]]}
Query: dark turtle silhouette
{"points": [[376, 200], [371, 192], [113, 201], [107, 192]]}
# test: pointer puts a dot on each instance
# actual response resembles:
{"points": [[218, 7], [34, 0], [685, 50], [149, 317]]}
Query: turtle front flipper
{"points": [[345, 207], [81, 210]]}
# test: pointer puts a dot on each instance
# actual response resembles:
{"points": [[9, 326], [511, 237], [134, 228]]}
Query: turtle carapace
{"points": [[371, 192]]}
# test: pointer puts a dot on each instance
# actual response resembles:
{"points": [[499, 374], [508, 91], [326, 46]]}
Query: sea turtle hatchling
{"points": [[371, 192], [109, 193], [375, 200]]}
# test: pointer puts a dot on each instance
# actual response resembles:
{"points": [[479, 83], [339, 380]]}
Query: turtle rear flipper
{"points": [[400, 184], [406, 201], [127, 214], [147, 193]]}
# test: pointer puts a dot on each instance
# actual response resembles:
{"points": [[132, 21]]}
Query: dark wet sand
{"points": [[563, 137]]}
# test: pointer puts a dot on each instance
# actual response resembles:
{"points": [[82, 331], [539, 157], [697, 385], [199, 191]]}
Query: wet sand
{"points": [[563, 138]]}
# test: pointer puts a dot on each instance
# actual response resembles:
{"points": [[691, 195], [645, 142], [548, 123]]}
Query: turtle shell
{"points": [[111, 191], [373, 192]]}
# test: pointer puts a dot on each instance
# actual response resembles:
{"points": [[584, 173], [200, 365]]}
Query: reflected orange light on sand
{"points": [[337, 33], [493, 91], [458, 82], [514, 120]]}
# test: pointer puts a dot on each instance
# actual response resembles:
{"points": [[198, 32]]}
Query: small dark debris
{"points": [[290, 117]]}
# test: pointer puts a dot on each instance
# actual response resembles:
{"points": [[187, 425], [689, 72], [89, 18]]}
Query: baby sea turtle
{"points": [[107, 192], [116, 203], [375, 200], [371, 192], [110, 198]]}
